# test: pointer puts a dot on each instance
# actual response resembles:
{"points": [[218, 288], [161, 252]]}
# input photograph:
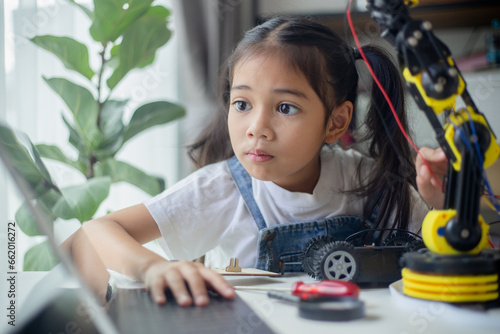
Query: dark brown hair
{"points": [[328, 64]]}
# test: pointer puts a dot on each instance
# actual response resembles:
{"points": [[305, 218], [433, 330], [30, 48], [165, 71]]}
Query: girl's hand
{"points": [[178, 276], [430, 190]]}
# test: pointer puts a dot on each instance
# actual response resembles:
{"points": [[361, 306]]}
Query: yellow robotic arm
{"points": [[470, 145], [457, 236]]}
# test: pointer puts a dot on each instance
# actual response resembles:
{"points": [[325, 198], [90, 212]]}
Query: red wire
{"points": [[370, 69]]}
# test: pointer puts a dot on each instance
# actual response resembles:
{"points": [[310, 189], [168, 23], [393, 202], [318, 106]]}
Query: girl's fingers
{"points": [[164, 275], [198, 278], [432, 154], [430, 191], [196, 284], [218, 283], [157, 290], [186, 281], [436, 161], [177, 285]]}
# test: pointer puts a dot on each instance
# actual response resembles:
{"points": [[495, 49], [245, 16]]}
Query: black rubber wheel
{"points": [[416, 245], [399, 238], [336, 260], [310, 250]]}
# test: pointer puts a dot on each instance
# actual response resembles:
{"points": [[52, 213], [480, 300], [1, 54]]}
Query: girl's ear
{"points": [[338, 122]]}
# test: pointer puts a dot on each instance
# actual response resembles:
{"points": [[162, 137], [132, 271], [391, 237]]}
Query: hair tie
{"points": [[356, 54]]}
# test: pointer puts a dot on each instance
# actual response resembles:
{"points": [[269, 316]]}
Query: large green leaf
{"points": [[114, 53], [111, 17], [35, 155], [40, 258], [55, 153], [151, 114], [73, 54], [87, 11], [84, 107], [113, 60], [121, 171], [75, 138], [44, 203], [147, 62], [112, 127], [22, 158], [140, 42], [82, 201]]}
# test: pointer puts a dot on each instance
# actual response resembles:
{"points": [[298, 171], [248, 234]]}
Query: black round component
{"points": [[335, 260], [483, 136], [485, 263], [438, 83], [399, 238], [415, 245], [461, 238], [310, 250], [332, 309]]}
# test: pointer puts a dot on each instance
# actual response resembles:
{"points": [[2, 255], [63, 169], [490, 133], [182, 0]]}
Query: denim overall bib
{"points": [[285, 242]]}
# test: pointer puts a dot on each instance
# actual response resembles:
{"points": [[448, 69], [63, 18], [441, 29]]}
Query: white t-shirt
{"points": [[205, 213]]}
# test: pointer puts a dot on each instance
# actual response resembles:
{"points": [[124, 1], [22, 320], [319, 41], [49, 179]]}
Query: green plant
{"points": [[128, 34]]}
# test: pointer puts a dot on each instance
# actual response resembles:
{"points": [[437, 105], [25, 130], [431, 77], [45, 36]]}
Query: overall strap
{"points": [[244, 184]]}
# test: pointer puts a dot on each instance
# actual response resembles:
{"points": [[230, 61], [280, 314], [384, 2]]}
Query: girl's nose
{"points": [[260, 125]]}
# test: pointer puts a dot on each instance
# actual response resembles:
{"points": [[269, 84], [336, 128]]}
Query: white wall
{"points": [[310, 7]]}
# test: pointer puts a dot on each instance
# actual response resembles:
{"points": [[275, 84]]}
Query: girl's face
{"points": [[277, 123]]}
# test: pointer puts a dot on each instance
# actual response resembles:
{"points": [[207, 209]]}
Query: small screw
{"points": [[464, 233], [427, 25]]}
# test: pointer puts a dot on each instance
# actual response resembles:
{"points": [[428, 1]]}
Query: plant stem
{"points": [[92, 162], [99, 80], [93, 159]]}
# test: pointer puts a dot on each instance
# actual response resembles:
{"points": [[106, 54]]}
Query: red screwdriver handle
{"points": [[325, 288]]}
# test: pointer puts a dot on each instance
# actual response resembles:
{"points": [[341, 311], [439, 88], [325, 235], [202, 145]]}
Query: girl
{"points": [[288, 94]]}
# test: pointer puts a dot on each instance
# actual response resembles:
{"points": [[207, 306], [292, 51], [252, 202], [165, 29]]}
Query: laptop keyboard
{"points": [[133, 311]]}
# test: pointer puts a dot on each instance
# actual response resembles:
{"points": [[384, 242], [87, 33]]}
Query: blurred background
{"points": [[186, 70]]}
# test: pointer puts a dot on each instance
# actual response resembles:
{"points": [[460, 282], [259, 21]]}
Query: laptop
{"points": [[63, 302]]}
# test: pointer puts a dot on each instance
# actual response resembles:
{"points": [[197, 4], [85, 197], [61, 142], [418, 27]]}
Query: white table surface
{"points": [[385, 313]]}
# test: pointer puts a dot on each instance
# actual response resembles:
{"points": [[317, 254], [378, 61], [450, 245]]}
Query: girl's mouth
{"points": [[259, 156]]}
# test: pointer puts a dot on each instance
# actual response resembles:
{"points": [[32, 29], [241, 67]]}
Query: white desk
{"points": [[385, 314]]}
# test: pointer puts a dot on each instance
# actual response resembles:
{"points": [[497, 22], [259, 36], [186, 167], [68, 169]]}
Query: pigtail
{"points": [[388, 189]]}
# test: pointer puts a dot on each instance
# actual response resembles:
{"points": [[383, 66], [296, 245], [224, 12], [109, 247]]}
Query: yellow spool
{"points": [[448, 288], [460, 289], [448, 279], [450, 298]]}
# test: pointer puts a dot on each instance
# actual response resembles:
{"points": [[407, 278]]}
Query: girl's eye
{"points": [[288, 109], [241, 106]]}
